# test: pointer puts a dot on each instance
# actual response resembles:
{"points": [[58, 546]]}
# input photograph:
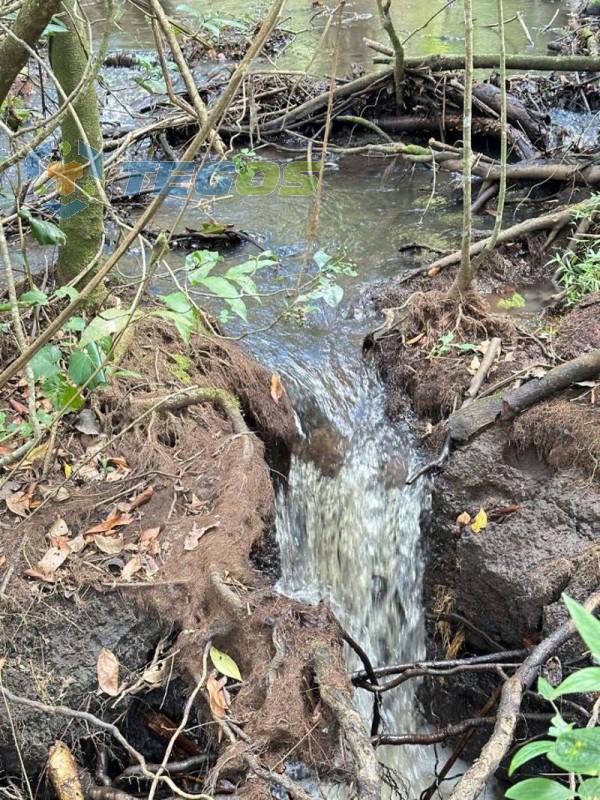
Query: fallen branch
{"points": [[339, 701], [468, 420], [475, 779]]}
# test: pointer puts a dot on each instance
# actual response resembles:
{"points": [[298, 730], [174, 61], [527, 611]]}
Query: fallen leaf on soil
{"points": [[503, 511], [8, 489], [276, 388], [59, 528], [6, 451], [112, 522], [141, 498], [38, 574], [415, 339], [61, 542], [109, 544], [77, 544], [216, 698], [2, 561], [225, 664], [107, 669], [480, 521], [148, 541], [35, 454], [156, 674], [117, 461], [474, 365], [463, 519], [87, 422], [18, 503], [68, 470], [52, 559], [131, 568], [193, 538], [18, 407]]}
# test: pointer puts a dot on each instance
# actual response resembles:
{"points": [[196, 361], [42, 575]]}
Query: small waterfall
{"points": [[351, 532]]}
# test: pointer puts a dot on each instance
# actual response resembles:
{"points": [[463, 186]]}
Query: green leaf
{"points": [[186, 324], [35, 297], [332, 294], [558, 725], [225, 664], [590, 789], [587, 625], [66, 291], [44, 363], [584, 680], [43, 231], [321, 259], [577, 751], [74, 324], [539, 789], [108, 322], [545, 688], [177, 301], [82, 365], [527, 752], [62, 394], [221, 287]]}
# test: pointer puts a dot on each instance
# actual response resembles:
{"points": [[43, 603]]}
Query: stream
{"points": [[347, 524]]}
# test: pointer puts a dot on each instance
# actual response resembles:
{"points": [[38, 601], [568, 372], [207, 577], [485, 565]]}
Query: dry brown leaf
{"points": [[132, 566], [77, 544], [109, 544], [118, 462], [141, 498], [107, 669], [61, 542], [148, 541], [53, 558], [6, 451], [192, 540], [2, 561], [59, 528], [216, 698], [18, 503], [276, 388], [463, 519], [38, 574], [112, 522]]}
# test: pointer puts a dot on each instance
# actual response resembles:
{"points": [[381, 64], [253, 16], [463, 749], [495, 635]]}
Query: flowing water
{"points": [[348, 525]]}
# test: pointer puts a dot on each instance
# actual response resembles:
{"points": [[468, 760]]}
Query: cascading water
{"points": [[353, 534]]}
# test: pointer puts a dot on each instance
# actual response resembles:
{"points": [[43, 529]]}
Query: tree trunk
{"points": [[29, 25], [82, 212]]}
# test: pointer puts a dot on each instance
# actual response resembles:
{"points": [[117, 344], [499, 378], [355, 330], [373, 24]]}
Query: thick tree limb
{"points": [[29, 25], [475, 779], [368, 778], [468, 420]]}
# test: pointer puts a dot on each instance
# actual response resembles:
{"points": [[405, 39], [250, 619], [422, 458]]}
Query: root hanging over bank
{"points": [[182, 425]]}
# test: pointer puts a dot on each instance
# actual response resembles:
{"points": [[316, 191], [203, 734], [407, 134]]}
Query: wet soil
{"points": [[536, 476], [193, 496]]}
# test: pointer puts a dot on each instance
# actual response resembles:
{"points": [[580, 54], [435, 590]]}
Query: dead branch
{"points": [[468, 420], [340, 703], [475, 779], [397, 669]]}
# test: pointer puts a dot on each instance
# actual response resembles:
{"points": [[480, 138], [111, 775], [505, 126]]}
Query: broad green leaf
{"points": [[332, 294], [221, 287], [558, 725], [43, 231], [590, 789], [108, 322], [587, 625], [44, 363], [177, 301], [577, 751], [66, 291], [186, 324], [539, 789], [584, 680], [238, 307], [527, 752], [321, 259], [545, 688], [82, 365], [74, 324], [35, 297], [225, 664], [62, 394]]}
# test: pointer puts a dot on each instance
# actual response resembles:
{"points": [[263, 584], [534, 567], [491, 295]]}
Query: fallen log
{"points": [[451, 62], [470, 419]]}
